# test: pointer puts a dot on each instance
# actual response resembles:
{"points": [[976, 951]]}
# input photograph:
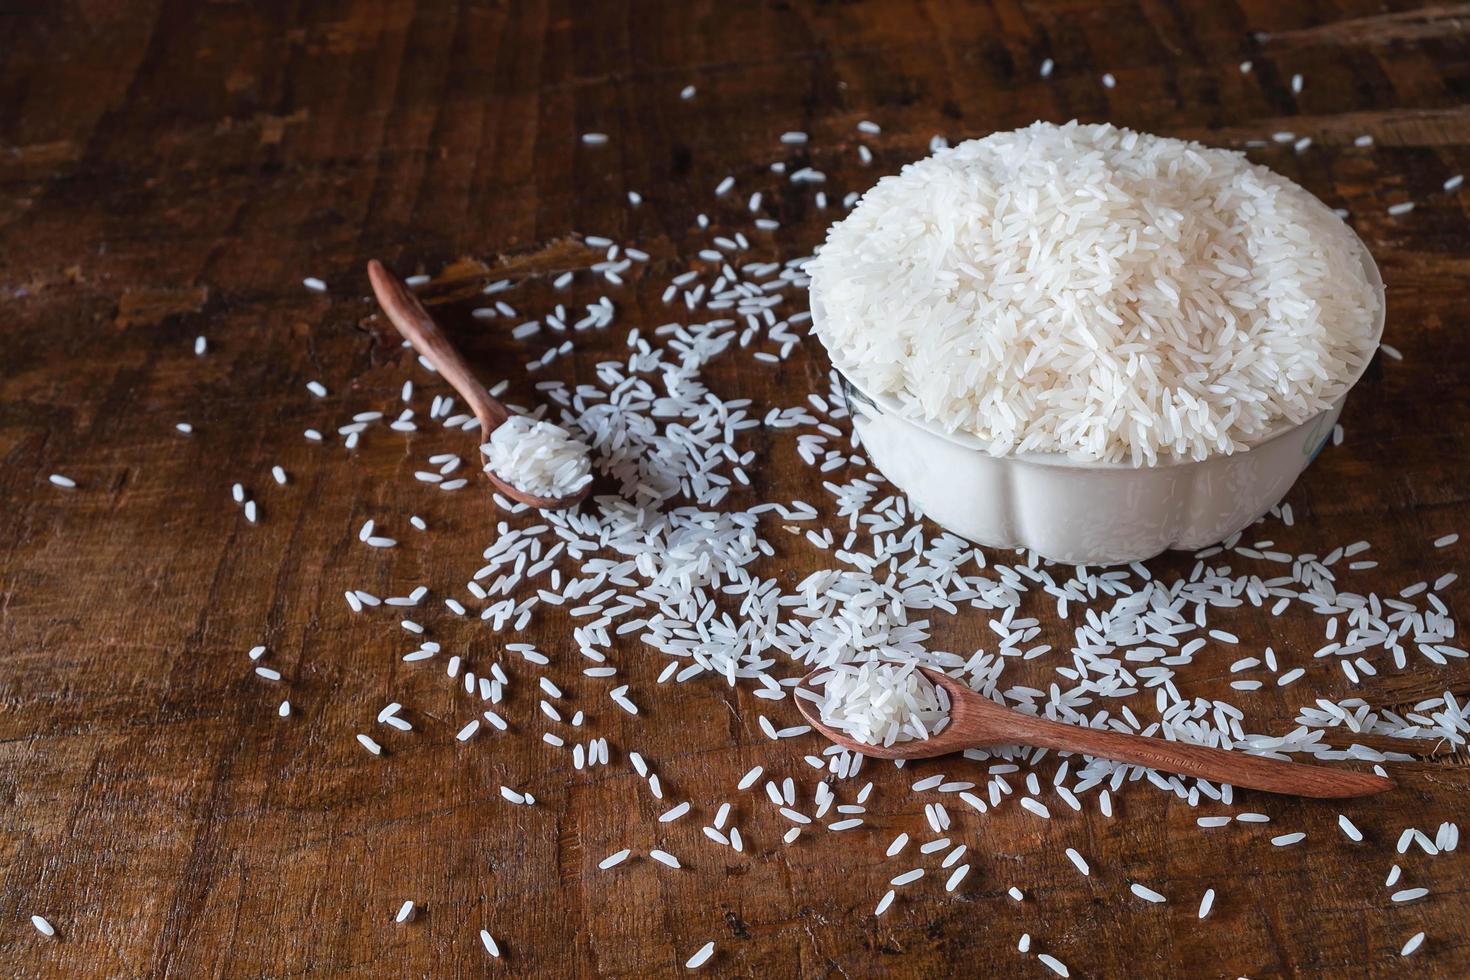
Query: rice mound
{"points": [[883, 703], [538, 457], [1097, 292]]}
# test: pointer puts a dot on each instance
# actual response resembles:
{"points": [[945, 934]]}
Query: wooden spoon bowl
{"points": [[975, 721]]}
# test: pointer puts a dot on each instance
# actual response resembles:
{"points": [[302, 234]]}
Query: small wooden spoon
{"points": [[975, 721], [413, 321]]}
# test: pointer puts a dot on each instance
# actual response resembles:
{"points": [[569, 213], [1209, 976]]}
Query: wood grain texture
{"points": [[170, 169]]}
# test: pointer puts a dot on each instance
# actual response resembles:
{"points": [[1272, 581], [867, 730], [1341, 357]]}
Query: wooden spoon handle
{"points": [[414, 322], [1220, 765]]}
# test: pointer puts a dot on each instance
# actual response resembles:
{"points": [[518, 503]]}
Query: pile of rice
{"points": [[538, 457], [882, 703], [1089, 290]]}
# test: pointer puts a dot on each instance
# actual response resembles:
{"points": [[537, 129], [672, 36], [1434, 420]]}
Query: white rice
{"points": [[881, 704], [538, 457], [615, 859], [1089, 290], [1146, 893], [701, 957], [1055, 965]]}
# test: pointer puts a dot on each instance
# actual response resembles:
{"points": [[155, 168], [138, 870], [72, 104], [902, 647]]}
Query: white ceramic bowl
{"points": [[1086, 512]]}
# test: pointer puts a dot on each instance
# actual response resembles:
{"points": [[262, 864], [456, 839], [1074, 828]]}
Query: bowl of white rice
{"points": [[1094, 343]]}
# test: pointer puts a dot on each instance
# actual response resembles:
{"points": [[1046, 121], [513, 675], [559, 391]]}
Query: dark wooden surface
{"points": [[171, 169]]}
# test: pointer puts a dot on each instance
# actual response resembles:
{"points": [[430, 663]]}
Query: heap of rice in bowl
{"points": [[1096, 292]]}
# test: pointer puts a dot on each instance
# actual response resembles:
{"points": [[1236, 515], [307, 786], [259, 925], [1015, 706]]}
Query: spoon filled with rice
{"points": [[904, 711], [530, 460]]}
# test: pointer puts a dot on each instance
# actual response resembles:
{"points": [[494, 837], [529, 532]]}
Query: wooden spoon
{"points": [[975, 721], [413, 321]]}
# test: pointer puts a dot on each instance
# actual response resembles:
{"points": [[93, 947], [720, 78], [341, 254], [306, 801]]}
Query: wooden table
{"points": [[172, 170]]}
